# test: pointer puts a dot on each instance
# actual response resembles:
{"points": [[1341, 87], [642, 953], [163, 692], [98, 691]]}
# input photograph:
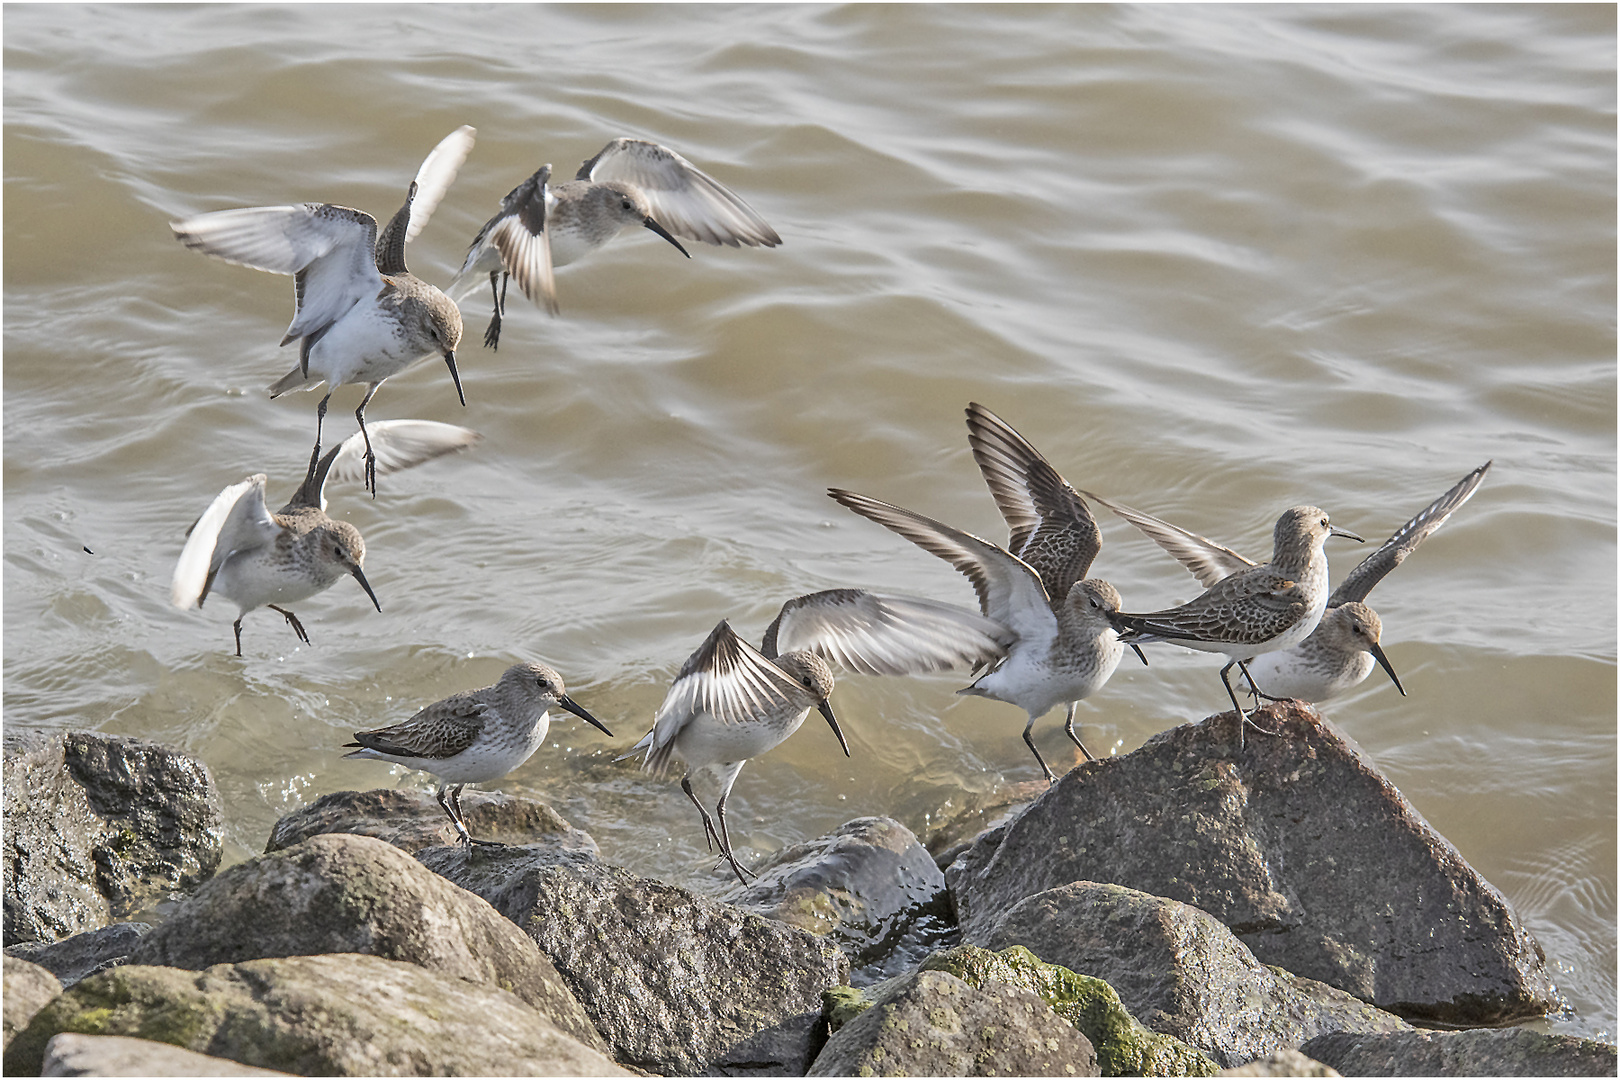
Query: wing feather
{"points": [[1392, 552], [236, 519], [886, 635], [685, 200], [1208, 561]]}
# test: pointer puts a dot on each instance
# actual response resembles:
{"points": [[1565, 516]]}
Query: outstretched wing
{"points": [[437, 173], [685, 200], [1392, 552], [398, 444], [1209, 561], [235, 520], [885, 635]]}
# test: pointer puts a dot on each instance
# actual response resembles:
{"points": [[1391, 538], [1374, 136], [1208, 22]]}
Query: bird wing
{"points": [[398, 444], [1392, 552], [685, 200], [328, 249], [1009, 589], [441, 730], [1254, 605], [885, 635], [437, 173], [522, 236], [236, 519], [1051, 527], [1208, 561]]}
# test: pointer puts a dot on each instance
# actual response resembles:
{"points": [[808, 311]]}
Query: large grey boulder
{"points": [[1298, 844], [338, 893], [677, 983], [99, 826], [70, 1054], [1509, 1052], [339, 1015], [71, 959], [865, 885], [934, 1024], [28, 989], [412, 820], [1282, 1063], [1181, 971]]}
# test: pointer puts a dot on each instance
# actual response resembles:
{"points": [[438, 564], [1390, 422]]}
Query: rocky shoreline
{"points": [[1178, 910]]}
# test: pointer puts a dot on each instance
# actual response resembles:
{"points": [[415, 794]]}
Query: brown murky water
{"points": [[1213, 261]]}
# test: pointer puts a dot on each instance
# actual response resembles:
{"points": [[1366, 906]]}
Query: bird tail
{"points": [[293, 380], [658, 757]]}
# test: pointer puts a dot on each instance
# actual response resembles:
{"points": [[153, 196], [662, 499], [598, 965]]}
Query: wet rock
{"points": [[1181, 971], [28, 989], [338, 893], [1298, 844], [1508, 1052], [934, 1024], [340, 1015], [1123, 1045], [677, 983], [99, 826], [1282, 1063], [69, 1054], [865, 885], [71, 959], [968, 814], [413, 820]]}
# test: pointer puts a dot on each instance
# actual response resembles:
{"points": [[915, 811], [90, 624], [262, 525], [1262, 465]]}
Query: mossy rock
{"points": [[1124, 1046]]}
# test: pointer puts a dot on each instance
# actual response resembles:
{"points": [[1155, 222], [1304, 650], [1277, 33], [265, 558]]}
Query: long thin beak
{"points": [[1383, 662], [661, 231], [1139, 653], [450, 362], [1334, 530], [825, 708], [568, 703], [360, 576]]}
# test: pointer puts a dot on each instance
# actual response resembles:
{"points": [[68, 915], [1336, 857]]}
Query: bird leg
{"points": [[725, 842], [1068, 726], [710, 837], [1051, 778], [492, 336], [320, 421], [1243, 717], [292, 621], [371, 458], [461, 824], [1243, 666], [237, 626]]}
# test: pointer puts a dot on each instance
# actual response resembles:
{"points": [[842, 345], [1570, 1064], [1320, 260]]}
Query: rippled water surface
{"points": [[1212, 261]]}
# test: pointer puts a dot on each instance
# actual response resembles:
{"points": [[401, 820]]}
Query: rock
{"points": [[338, 893], [1298, 844], [1282, 1063], [1181, 971], [69, 1054], [413, 820], [867, 886], [677, 983], [339, 1015], [966, 815], [99, 826], [1508, 1052], [934, 1024], [71, 959], [1123, 1045], [28, 989]]}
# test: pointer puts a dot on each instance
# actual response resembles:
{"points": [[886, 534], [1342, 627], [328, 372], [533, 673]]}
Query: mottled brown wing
{"points": [[443, 729]]}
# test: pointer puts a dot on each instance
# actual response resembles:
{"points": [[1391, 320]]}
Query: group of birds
{"points": [[1044, 634]]}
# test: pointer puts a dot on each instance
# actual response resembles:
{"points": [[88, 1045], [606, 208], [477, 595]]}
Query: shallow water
{"points": [[1212, 261]]}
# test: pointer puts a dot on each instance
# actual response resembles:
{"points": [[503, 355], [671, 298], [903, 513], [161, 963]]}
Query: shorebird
{"points": [[360, 315], [630, 183], [1253, 609], [1061, 649], [732, 702], [241, 551], [474, 736]]}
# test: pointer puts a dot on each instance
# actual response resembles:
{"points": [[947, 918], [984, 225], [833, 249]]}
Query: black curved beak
{"points": [[661, 231], [360, 576], [1334, 530], [1139, 653], [450, 362], [568, 703], [825, 708], [1383, 662]]}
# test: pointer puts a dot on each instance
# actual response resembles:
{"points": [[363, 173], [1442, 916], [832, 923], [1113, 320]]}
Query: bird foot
{"points": [[492, 336], [292, 621]]}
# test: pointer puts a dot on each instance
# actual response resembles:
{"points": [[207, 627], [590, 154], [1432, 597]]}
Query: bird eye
{"points": [[337, 553], [627, 205]]}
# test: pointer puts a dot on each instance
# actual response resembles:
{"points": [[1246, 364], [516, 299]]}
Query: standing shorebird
{"points": [[474, 736], [1061, 649], [241, 551], [360, 315], [732, 702], [630, 183], [1255, 609]]}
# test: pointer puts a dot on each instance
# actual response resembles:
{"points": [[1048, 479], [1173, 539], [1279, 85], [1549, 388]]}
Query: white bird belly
{"points": [[705, 740]]}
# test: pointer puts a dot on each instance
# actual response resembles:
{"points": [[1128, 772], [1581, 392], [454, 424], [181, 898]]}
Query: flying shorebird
{"points": [[630, 183], [1256, 609], [1061, 649], [360, 315], [474, 736], [1340, 652], [241, 551], [732, 702]]}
